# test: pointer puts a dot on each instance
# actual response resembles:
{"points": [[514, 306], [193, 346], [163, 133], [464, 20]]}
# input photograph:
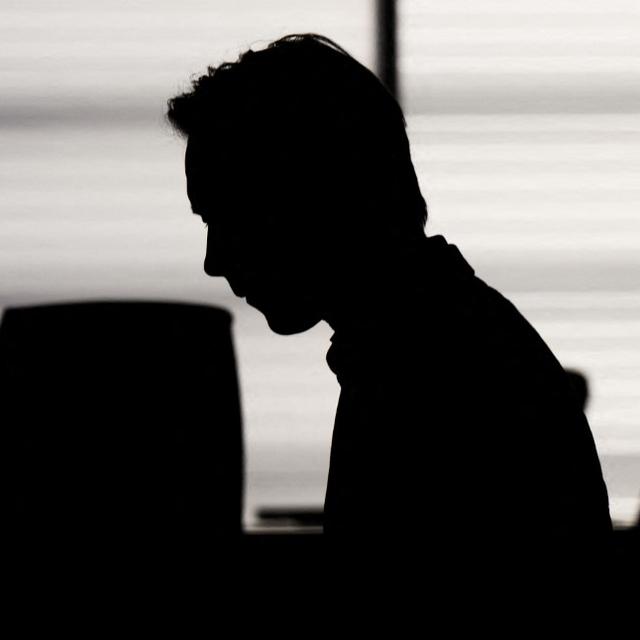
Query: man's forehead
{"points": [[207, 157], [197, 155], [211, 178]]}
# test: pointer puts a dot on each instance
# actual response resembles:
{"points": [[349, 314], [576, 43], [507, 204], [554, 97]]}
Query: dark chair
{"points": [[121, 425]]}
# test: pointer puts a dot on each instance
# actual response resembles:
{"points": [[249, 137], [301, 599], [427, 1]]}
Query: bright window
{"points": [[525, 126]]}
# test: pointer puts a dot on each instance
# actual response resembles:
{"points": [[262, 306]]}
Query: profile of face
{"points": [[275, 266]]}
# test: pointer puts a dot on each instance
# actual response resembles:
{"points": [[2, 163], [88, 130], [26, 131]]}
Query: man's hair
{"points": [[305, 101]]}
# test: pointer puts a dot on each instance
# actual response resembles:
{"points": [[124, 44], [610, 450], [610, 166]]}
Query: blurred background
{"points": [[524, 119]]}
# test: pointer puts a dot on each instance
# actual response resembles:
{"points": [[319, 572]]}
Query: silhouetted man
{"points": [[457, 430]]}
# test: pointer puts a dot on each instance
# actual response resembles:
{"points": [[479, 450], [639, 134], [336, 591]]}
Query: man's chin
{"points": [[284, 316], [286, 321], [287, 326]]}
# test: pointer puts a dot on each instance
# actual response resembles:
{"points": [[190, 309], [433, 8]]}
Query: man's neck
{"points": [[362, 303]]}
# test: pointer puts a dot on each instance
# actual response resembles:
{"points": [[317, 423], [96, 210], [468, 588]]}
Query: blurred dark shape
{"points": [[299, 518], [121, 426], [580, 385], [387, 44], [627, 551]]}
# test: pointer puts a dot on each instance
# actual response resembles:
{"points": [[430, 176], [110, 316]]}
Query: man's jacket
{"points": [[457, 427]]}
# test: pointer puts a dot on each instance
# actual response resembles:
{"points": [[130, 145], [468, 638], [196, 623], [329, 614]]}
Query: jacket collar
{"points": [[357, 346]]}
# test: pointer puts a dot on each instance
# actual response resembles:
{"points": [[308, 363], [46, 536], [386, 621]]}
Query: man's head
{"points": [[298, 160]]}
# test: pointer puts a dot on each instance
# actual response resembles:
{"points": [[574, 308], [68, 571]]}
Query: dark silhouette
{"points": [[457, 431], [300, 518], [121, 429]]}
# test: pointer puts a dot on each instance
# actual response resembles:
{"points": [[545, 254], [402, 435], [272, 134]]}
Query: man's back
{"points": [[457, 427]]}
